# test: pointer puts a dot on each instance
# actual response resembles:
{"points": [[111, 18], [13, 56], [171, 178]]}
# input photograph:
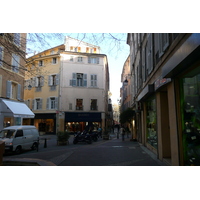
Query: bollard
{"points": [[45, 142], [2, 149]]}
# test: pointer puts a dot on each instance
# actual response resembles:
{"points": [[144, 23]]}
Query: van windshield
{"points": [[7, 133]]}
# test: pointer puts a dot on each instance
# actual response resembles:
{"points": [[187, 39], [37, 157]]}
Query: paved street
{"points": [[113, 152]]}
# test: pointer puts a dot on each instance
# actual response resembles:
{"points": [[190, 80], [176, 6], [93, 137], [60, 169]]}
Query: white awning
{"points": [[16, 109]]}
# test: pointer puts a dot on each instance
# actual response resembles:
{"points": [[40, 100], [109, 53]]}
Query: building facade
{"points": [[71, 91], [166, 94], [12, 72]]}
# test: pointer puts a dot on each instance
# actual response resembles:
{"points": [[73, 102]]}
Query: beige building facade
{"points": [[69, 89]]}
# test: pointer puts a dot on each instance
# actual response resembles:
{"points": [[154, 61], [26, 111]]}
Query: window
{"points": [[80, 59], [93, 105], [149, 54], [163, 43], [93, 80], [52, 52], [15, 63], [13, 90], [70, 106], [38, 104], [19, 133], [40, 63], [52, 103], [71, 58], [17, 39], [53, 81], [54, 60], [79, 104], [1, 56], [93, 60], [79, 80], [39, 81]]}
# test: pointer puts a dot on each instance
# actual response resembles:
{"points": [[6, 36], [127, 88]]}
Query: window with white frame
{"points": [[93, 60], [71, 58], [79, 80], [80, 59], [1, 56], [39, 81], [53, 81], [40, 63], [16, 39], [15, 63], [54, 60], [52, 103], [93, 82], [37, 104], [13, 90]]}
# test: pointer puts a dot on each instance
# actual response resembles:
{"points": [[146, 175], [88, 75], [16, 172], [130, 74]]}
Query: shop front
{"points": [[45, 123], [190, 115], [13, 112], [79, 121]]}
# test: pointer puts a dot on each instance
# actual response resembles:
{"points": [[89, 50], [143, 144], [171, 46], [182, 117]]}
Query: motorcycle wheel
{"points": [[95, 139], [89, 141], [75, 142]]}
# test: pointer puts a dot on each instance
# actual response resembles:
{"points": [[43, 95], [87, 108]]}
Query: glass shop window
{"points": [[151, 122], [190, 107]]}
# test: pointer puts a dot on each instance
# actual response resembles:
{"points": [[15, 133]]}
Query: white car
{"points": [[18, 138]]}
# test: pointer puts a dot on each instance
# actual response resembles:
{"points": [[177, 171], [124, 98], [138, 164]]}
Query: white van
{"points": [[17, 138]]}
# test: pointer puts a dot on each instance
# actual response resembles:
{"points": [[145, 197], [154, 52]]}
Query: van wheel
{"points": [[34, 146], [18, 150]]}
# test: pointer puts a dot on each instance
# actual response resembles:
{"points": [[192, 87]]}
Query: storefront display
{"points": [[190, 107], [151, 122]]}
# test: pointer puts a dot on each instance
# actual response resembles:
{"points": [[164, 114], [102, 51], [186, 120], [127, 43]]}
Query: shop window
{"points": [[93, 105], [79, 104], [151, 122], [190, 106]]}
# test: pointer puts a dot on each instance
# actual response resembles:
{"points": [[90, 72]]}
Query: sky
{"points": [[116, 51]]}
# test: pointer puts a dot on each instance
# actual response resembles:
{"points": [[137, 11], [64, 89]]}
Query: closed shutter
{"points": [[40, 106], [50, 80], [85, 80], [89, 60], [56, 102], [19, 92], [47, 105], [57, 79], [8, 89]]}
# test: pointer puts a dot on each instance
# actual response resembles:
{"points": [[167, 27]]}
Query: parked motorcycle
{"points": [[82, 137], [94, 136]]}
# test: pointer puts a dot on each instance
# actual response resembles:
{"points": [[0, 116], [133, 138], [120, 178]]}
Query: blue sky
{"points": [[116, 51]]}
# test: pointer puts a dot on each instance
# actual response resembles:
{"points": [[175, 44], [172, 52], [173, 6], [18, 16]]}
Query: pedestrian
{"points": [[100, 131], [122, 131]]}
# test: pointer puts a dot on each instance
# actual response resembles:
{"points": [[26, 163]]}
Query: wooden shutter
{"points": [[40, 105], [8, 89], [56, 102], [57, 79], [19, 92], [47, 104], [79, 49], [85, 80]]}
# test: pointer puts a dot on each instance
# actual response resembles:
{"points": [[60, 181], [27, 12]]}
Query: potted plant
{"points": [[63, 138]]}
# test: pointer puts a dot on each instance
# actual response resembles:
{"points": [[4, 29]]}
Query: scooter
{"points": [[82, 137], [94, 136]]}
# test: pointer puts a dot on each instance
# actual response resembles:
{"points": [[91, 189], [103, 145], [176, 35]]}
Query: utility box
{"points": [[2, 149]]}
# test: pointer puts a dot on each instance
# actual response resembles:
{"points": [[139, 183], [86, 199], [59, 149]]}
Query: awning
{"points": [[15, 109]]}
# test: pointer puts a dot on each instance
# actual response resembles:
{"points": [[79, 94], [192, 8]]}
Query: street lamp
{"points": [[125, 82]]}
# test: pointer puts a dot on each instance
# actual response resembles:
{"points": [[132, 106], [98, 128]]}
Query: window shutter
{"points": [[92, 80], [87, 49], [95, 80], [47, 105], [79, 49], [73, 79], [89, 60], [85, 80], [19, 92], [57, 79], [71, 48], [40, 106], [97, 60], [95, 49], [8, 89], [42, 80], [50, 80], [36, 81], [56, 102]]}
